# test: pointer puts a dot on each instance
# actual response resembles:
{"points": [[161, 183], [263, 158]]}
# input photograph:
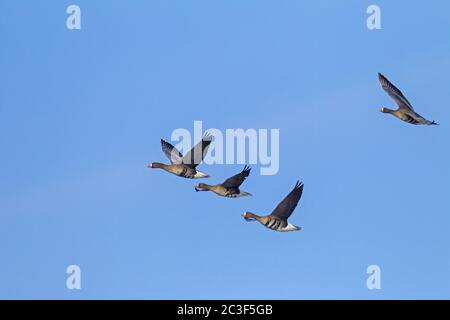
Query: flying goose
{"points": [[184, 166], [405, 110], [277, 220], [230, 187]]}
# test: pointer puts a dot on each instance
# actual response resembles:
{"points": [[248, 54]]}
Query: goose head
{"points": [[154, 165], [248, 216], [385, 110], [201, 187]]}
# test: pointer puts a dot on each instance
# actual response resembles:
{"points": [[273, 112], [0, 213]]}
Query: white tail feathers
{"points": [[291, 227], [199, 174]]}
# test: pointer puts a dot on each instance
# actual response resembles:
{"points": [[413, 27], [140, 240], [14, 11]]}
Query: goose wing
{"points": [[198, 152], [394, 93], [236, 180], [289, 203], [171, 152]]}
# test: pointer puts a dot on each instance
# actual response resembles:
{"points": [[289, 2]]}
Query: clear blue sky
{"points": [[82, 113]]}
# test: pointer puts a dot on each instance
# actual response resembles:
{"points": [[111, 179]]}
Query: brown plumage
{"points": [[278, 219], [405, 110], [230, 187], [184, 166]]}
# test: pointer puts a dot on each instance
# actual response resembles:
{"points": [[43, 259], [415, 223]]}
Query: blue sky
{"points": [[82, 113]]}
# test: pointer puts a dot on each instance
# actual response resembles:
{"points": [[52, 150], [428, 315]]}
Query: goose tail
{"points": [[291, 227], [199, 175]]}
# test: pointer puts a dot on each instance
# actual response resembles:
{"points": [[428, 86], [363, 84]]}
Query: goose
{"points": [[277, 220], [230, 187], [405, 110], [184, 166]]}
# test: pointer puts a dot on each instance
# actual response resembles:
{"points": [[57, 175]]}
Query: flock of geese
{"points": [[186, 166]]}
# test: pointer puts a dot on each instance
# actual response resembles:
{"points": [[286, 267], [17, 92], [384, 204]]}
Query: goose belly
{"points": [[411, 120], [280, 226], [407, 118], [190, 175], [229, 192], [274, 224], [234, 195], [184, 172]]}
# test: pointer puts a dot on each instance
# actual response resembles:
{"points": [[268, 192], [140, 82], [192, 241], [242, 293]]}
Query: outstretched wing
{"points": [[394, 93], [198, 152], [236, 180], [171, 152], [289, 203]]}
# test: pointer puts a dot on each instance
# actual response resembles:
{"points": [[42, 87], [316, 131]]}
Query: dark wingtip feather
{"points": [[299, 184], [382, 78], [207, 136], [163, 142], [246, 171]]}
